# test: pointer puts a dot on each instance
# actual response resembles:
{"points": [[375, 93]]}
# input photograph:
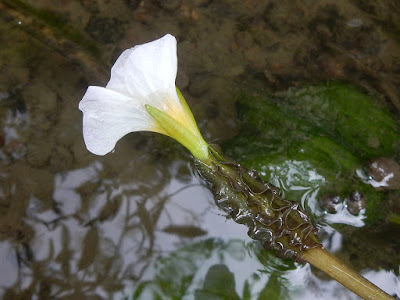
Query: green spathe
{"points": [[195, 144]]}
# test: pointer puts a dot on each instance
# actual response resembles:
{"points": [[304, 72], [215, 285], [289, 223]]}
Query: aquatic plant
{"points": [[141, 96]]}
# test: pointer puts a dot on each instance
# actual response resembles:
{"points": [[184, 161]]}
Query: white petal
{"points": [[108, 116], [146, 70]]}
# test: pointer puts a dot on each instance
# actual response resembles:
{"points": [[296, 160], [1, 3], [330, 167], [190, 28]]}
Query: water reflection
{"points": [[102, 233], [76, 226], [98, 230]]}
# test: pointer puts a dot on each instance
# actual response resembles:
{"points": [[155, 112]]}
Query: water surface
{"points": [[78, 226]]}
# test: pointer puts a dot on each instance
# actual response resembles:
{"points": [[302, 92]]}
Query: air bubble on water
{"points": [[354, 22]]}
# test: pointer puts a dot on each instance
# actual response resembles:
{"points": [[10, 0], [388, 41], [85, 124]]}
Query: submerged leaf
{"points": [[219, 284], [314, 139], [188, 231], [90, 245], [110, 209], [274, 290], [208, 270]]}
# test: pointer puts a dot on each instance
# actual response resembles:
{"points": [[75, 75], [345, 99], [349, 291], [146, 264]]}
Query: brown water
{"points": [[78, 226]]}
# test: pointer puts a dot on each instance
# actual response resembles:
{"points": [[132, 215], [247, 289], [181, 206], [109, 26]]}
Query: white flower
{"points": [[140, 96]]}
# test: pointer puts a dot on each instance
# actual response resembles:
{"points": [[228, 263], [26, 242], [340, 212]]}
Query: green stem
{"points": [[325, 261]]}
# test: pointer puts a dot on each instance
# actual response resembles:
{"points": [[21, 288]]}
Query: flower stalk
{"points": [[331, 265], [279, 224]]}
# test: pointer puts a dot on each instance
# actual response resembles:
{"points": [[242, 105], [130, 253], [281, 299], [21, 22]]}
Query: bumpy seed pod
{"points": [[280, 224]]}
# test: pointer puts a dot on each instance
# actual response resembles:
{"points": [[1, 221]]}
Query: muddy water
{"points": [[78, 226]]}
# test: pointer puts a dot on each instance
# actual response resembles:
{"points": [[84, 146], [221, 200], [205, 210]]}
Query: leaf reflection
{"points": [[203, 270], [100, 235]]}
